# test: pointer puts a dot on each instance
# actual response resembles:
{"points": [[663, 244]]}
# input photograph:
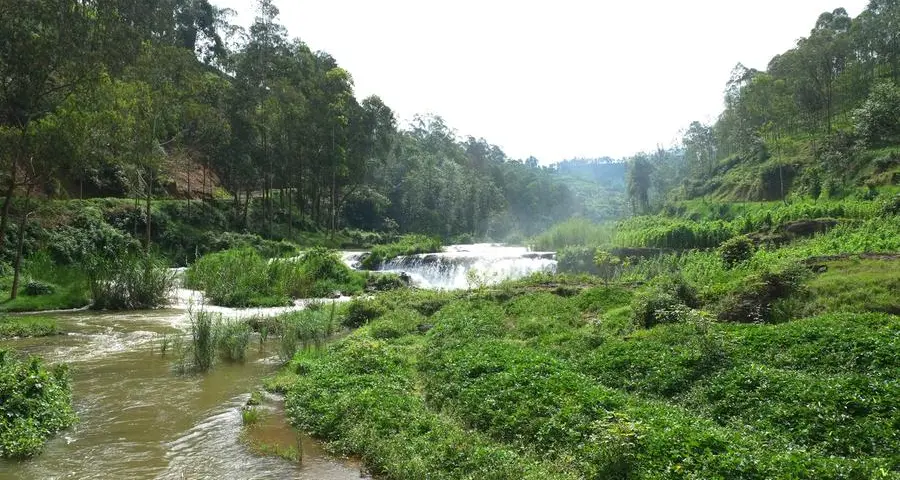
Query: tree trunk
{"points": [[333, 201], [246, 207], [20, 245], [290, 208], [147, 212], [4, 214]]}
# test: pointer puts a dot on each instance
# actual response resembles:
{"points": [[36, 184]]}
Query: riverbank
{"points": [[125, 393]]}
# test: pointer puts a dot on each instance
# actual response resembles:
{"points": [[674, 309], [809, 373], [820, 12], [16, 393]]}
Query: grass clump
{"points": [[233, 338], [130, 282], [27, 326], [35, 403], [575, 232], [406, 245], [243, 278]]}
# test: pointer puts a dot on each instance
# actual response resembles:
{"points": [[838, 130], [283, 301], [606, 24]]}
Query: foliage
{"points": [[242, 278], [361, 312], [406, 245], [756, 299], [130, 282], [576, 259], [27, 326], [738, 249], [232, 338], [535, 375], [304, 329], [575, 232], [37, 288], [35, 403], [203, 339], [877, 119]]}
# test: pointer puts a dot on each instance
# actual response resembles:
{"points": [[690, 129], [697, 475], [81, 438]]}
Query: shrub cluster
{"points": [[35, 403], [243, 278]]}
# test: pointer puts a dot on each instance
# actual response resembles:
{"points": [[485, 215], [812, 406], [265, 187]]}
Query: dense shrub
{"points": [[576, 259], [757, 298], [37, 287], [35, 403], [232, 339], [360, 312], [575, 232], [130, 282], [878, 120], [736, 250], [243, 278]]}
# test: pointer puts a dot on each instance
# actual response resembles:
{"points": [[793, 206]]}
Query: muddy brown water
{"points": [[139, 419]]}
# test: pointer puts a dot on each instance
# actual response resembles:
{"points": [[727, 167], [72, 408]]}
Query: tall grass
{"points": [[243, 278], [232, 338], [203, 339], [130, 282], [575, 232], [303, 329]]}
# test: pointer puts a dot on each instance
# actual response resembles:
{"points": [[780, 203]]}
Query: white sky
{"points": [[554, 79]]}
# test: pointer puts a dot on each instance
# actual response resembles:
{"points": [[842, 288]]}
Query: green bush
{"points": [[576, 259], [130, 282], [36, 288], [758, 298], [406, 245], [736, 250], [243, 278], [203, 339], [35, 403], [360, 312]]}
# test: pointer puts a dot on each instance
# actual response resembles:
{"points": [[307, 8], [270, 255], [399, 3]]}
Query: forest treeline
{"points": [[119, 97], [819, 120]]}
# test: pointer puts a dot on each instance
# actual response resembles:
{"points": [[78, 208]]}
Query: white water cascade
{"points": [[459, 265]]}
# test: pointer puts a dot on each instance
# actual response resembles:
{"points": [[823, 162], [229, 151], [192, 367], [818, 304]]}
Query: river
{"points": [[139, 419]]}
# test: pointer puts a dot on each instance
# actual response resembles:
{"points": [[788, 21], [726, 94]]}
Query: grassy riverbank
{"points": [[760, 358], [27, 326]]}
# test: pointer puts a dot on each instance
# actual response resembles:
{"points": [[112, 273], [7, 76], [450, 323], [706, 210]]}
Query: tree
{"points": [[639, 180]]}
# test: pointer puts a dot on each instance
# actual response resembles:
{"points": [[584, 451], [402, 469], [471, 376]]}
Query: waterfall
{"points": [[459, 265]]}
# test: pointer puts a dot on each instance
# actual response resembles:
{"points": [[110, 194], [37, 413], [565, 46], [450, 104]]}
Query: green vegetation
{"points": [[130, 283], [406, 245], [27, 326], [35, 403], [243, 278], [572, 233], [566, 386]]}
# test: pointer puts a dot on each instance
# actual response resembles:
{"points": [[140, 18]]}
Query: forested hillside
{"points": [[127, 99], [822, 120]]}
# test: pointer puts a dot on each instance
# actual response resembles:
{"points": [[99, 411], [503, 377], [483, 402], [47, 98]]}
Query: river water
{"points": [[138, 419]]}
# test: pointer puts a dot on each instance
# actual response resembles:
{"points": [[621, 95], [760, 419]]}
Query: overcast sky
{"points": [[554, 79]]}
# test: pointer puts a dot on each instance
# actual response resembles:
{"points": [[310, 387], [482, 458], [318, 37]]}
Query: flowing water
{"points": [[138, 419], [459, 266]]}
